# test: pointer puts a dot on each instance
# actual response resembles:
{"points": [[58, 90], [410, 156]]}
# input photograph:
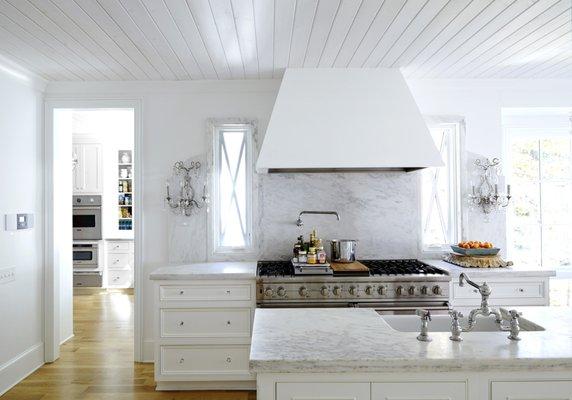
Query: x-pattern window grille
{"points": [[441, 192], [233, 174]]}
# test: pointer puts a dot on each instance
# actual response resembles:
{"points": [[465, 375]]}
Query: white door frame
{"points": [[51, 274]]}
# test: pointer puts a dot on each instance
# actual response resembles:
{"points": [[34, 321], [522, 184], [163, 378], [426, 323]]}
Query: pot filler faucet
{"points": [[484, 309], [300, 223]]}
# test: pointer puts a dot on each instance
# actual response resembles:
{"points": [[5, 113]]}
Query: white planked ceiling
{"points": [[252, 39]]}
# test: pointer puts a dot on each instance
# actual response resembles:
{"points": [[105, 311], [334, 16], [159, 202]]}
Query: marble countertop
{"points": [[359, 340], [508, 272], [204, 271]]}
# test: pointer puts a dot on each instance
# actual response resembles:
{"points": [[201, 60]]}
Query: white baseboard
{"points": [[66, 339], [148, 351], [19, 367]]}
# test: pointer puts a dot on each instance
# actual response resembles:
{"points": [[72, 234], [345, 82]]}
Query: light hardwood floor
{"points": [[97, 363]]}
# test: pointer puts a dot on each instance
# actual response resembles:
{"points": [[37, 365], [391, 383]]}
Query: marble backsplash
{"points": [[379, 209]]}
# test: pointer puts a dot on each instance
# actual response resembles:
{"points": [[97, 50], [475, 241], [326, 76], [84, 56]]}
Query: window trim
{"points": [[216, 252], [459, 213]]}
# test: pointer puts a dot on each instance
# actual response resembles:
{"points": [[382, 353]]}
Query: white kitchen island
{"points": [[353, 354]]}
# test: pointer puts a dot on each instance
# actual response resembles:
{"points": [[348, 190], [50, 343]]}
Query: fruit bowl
{"points": [[475, 252]]}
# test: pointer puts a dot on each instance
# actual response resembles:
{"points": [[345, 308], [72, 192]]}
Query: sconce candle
{"points": [[487, 195]]}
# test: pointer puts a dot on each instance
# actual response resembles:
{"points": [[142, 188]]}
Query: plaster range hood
{"points": [[346, 120]]}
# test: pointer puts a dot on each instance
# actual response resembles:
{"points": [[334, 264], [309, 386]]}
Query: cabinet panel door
{"points": [[322, 391], [540, 390], [419, 391], [77, 157], [92, 168]]}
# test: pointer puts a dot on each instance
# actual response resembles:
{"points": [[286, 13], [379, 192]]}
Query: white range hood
{"points": [[328, 120]]}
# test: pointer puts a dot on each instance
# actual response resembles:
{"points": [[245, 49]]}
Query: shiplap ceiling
{"points": [[251, 39]]}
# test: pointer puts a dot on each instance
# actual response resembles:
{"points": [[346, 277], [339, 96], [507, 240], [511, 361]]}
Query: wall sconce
{"points": [[486, 194], [185, 202]]}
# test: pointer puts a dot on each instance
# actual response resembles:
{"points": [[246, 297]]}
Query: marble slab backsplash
{"points": [[380, 210]]}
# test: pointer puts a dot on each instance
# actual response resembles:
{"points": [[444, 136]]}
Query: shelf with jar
{"points": [[125, 190]]}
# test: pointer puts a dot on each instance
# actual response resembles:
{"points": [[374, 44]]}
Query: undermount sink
{"points": [[442, 323]]}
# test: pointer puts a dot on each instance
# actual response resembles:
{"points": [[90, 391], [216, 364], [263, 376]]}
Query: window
{"points": [[232, 200], [440, 190], [540, 214]]}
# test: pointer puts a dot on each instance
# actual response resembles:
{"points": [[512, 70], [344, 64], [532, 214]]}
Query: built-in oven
{"points": [[87, 217], [86, 255]]}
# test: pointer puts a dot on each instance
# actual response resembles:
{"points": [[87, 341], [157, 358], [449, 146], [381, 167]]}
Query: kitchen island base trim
{"points": [[206, 385], [491, 385]]}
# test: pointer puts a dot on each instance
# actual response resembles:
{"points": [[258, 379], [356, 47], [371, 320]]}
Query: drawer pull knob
{"points": [[520, 290], [475, 291], [182, 360], [181, 323], [228, 292], [228, 360], [182, 292], [228, 323]]}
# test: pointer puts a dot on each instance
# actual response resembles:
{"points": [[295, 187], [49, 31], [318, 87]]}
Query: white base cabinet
{"points": [[119, 263], [532, 291], [517, 385], [202, 334]]}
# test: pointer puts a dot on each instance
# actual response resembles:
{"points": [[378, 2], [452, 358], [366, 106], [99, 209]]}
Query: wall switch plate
{"points": [[7, 275], [17, 222]]}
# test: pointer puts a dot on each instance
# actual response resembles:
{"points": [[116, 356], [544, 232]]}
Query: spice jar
{"points": [[312, 257], [302, 257]]}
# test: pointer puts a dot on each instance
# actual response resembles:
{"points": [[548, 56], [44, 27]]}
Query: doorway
{"points": [[93, 211]]}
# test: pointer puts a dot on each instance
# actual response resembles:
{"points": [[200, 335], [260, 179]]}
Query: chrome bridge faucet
{"points": [[484, 309]]}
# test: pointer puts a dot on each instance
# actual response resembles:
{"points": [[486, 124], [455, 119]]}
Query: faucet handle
{"points": [[455, 314], [424, 314]]}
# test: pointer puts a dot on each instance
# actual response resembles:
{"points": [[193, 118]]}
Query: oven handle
{"points": [[76, 208]]}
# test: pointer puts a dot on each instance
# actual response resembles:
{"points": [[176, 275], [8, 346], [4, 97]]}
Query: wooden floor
{"points": [[97, 363]]}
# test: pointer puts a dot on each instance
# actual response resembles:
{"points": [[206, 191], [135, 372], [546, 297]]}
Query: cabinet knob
{"points": [[228, 360], [181, 323], [520, 290], [228, 292], [181, 360], [181, 292], [228, 323]]}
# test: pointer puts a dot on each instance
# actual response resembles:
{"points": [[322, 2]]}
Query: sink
{"points": [[442, 323]]}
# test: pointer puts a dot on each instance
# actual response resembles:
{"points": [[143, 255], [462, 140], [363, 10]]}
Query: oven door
{"points": [[85, 256], [404, 308], [87, 223]]}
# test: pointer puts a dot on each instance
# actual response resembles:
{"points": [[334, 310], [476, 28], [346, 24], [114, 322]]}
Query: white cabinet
{"points": [[202, 334], [505, 292], [322, 391], [419, 391], [88, 168], [119, 263], [539, 390]]}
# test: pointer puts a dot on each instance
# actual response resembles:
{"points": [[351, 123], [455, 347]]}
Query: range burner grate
{"points": [[274, 268], [401, 267]]}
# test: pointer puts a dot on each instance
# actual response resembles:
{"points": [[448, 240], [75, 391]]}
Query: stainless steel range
{"points": [[390, 286]]}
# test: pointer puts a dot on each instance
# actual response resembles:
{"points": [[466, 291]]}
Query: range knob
{"points": [[424, 290], [337, 290], [381, 290], [325, 291], [399, 290], [369, 290], [303, 291], [437, 290], [411, 290], [281, 291], [268, 292], [353, 290]]}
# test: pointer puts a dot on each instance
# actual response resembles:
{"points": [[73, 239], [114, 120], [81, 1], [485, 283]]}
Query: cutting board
{"points": [[350, 269]]}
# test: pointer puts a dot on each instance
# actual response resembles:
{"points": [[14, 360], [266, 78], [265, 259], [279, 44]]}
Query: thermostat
{"points": [[18, 222]]}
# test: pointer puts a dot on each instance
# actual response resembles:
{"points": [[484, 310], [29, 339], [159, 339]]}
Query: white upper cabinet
{"points": [[88, 168]]}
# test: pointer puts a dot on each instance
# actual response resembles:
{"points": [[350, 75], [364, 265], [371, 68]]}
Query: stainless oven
{"points": [[87, 217], [86, 255]]}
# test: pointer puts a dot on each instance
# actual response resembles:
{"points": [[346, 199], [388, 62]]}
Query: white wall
{"points": [[174, 123], [21, 171]]}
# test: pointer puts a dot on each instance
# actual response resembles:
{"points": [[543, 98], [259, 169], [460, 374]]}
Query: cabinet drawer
{"points": [[204, 359], [121, 247], [206, 292], [419, 390], [119, 261], [322, 391], [539, 390], [502, 290], [119, 278], [205, 322]]}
